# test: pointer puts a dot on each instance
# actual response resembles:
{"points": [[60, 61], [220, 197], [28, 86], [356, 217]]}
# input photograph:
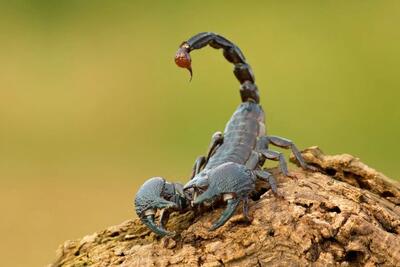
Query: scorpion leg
{"points": [[253, 160], [216, 140], [269, 178], [198, 165], [288, 144], [277, 156], [201, 161], [246, 208]]}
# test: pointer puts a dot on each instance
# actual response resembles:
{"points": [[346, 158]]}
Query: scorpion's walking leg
{"points": [[198, 165], [268, 177], [253, 163], [201, 161], [277, 156], [288, 144], [246, 208], [253, 160], [216, 141]]}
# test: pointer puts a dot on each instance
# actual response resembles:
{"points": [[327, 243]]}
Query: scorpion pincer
{"points": [[234, 159]]}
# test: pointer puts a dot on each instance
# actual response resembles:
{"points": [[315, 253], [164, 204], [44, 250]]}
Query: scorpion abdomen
{"points": [[240, 135]]}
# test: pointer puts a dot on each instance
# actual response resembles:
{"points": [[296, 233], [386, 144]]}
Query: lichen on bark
{"points": [[347, 214]]}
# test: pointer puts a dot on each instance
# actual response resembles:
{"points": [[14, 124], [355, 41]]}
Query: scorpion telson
{"points": [[182, 58], [234, 160]]}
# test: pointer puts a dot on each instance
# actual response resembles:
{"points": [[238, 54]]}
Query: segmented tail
{"points": [[232, 53]]}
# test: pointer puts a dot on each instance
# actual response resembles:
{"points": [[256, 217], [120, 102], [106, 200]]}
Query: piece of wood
{"points": [[347, 214]]}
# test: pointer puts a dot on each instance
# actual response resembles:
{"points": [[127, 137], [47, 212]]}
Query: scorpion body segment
{"points": [[240, 135], [231, 52], [234, 159]]}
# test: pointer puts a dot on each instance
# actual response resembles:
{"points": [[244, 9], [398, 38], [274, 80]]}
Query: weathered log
{"points": [[347, 214]]}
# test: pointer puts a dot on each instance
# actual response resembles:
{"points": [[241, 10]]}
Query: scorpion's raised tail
{"points": [[232, 53]]}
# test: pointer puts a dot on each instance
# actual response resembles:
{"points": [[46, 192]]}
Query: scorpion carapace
{"points": [[234, 160]]}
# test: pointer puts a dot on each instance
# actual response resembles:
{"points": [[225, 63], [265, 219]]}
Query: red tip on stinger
{"points": [[183, 60]]}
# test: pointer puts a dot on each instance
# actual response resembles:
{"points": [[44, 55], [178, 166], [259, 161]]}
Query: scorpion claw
{"points": [[226, 214], [207, 195], [231, 181], [156, 194], [159, 230]]}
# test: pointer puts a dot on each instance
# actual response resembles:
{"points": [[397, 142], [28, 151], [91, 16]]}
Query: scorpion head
{"points": [[155, 194]]}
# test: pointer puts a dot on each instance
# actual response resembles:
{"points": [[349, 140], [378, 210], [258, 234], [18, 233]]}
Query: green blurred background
{"points": [[92, 104]]}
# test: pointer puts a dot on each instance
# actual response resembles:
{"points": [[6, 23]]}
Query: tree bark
{"points": [[347, 214]]}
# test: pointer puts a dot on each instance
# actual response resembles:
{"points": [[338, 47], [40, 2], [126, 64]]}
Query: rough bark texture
{"points": [[347, 214]]}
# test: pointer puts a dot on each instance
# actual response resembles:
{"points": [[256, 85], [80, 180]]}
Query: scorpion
{"points": [[234, 160]]}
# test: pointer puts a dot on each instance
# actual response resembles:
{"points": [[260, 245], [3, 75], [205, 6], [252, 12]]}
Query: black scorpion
{"points": [[234, 160]]}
